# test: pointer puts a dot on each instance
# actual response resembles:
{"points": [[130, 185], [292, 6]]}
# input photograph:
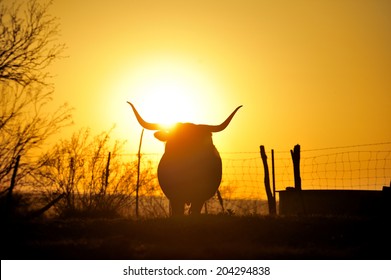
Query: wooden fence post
{"points": [[70, 186], [270, 197], [107, 171], [295, 153], [13, 178], [274, 180], [138, 171]]}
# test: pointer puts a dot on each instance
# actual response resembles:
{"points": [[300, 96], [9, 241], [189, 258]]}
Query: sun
{"points": [[169, 97], [167, 91]]}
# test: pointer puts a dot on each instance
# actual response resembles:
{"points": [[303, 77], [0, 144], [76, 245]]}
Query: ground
{"points": [[203, 237]]}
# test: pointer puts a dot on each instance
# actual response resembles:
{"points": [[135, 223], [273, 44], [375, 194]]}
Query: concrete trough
{"points": [[335, 202]]}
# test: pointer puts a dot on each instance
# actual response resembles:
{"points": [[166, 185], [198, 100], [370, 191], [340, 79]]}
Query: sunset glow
{"points": [[314, 73]]}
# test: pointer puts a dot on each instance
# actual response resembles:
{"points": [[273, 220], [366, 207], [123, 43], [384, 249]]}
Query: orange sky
{"points": [[315, 73]]}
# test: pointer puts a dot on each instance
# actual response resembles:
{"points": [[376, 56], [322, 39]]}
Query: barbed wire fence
{"points": [[359, 167]]}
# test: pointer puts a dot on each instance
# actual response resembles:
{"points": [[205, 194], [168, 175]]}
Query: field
{"points": [[203, 237]]}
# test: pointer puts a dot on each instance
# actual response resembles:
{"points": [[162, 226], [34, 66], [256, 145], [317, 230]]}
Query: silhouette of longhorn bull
{"points": [[190, 169]]}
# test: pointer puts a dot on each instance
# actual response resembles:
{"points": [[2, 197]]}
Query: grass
{"points": [[203, 237]]}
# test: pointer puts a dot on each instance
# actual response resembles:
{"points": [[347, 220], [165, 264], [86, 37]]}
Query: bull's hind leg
{"points": [[196, 207], [177, 208]]}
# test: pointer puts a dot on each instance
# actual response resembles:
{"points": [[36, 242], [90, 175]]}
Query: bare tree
{"points": [[28, 36], [93, 175]]}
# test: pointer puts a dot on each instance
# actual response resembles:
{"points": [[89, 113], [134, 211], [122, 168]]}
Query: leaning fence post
{"points": [[46, 207], [295, 153], [220, 198], [13, 178], [270, 197]]}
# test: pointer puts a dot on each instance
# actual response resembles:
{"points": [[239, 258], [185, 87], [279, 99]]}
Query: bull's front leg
{"points": [[177, 207]]}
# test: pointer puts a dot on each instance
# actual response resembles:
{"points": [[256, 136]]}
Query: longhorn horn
{"points": [[146, 125], [222, 126]]}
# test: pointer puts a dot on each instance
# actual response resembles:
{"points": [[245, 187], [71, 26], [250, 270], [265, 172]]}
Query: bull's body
{"points": [[189, 172], [190, 169]]}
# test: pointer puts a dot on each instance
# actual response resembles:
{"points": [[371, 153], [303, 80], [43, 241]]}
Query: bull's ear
{"points": [[161, 135]]}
